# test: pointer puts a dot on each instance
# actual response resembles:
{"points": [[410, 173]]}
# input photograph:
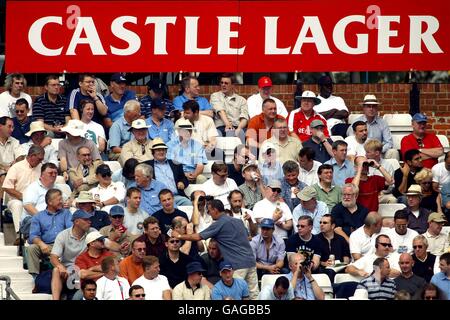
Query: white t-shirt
{"points": [[309, 177], [153, 288], [134, 221], [265, 209], [360, 242], [116, 289], [355, 148], [366, 262], [330, 103], [94, 131], [255, 101], [8, 103], [219, 192], [440, 174], [402, 243]]}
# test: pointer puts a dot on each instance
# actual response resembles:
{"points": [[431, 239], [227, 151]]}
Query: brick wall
{"points": [[434, 98]]}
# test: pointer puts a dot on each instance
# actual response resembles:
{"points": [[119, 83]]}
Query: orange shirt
{"points": [[257, 129], [130, 270], [85, 261]]}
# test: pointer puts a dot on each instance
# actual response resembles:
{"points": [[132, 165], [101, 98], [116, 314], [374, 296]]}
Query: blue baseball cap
{"points": [[118, 78], [116, 211], [80, 214], [420, 117], [267, 223], [158, 103], [193, 267], [225, 265]]}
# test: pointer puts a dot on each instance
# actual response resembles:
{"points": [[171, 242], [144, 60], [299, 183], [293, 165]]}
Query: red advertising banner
{"points": [[248, 36]]}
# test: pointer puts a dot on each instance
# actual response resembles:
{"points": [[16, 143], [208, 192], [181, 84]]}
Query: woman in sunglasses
{"points": [[430, 198]]}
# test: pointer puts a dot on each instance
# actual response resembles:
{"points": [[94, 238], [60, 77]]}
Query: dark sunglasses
{"points": [[276, 190], [140, 249], [174, 241], [116, 217], [20, 111], [324, 222], [104, 175], [430, 297], [142, 295], [418, 247], [386, 244], [301, 226]]}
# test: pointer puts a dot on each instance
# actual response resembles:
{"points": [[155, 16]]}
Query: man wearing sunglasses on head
{"points": [[273, 207], [383, 249]]}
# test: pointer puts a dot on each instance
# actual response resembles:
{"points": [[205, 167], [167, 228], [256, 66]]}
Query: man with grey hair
{"points": [[20, 176], [348, 214], [361, 239], [15, 83], [150, 188], [120, 133]]}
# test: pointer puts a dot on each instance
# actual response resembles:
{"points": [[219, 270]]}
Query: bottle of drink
{"points": [[332, 259]]}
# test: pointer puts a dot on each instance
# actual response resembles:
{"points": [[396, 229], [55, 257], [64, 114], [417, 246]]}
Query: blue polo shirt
{"points": [[165, 130], [238, 290], [46, 225], [188, 156], [118, 133], [150, 201], [202, 102], [115, 108], [303, 288], [340, 173], [441, 281], [20, 129]]}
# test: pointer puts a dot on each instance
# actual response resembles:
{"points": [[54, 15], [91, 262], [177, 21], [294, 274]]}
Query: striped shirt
{"points": [[378, 291], [50, 112]]}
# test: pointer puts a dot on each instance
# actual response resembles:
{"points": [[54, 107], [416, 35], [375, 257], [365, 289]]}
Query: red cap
{"points": [[264, 82]]}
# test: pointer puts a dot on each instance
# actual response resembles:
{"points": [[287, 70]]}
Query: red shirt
{"points": [[299, 124], [369, 190], [85, 261], [257, 130], [430, 140]]}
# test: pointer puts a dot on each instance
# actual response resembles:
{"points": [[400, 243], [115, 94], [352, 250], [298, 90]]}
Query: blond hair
{"points": [[373, 145], [423, 174]]}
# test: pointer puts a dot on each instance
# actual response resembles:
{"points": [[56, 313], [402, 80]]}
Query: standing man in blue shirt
{"points": [[191, 91], [116, 100], [45, 226]]}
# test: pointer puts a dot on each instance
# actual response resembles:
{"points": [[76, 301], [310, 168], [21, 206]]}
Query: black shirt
{"points": [[235, 175], [321, 152], [174, 271], [100, 219], [165, 220], [337, 246], [413, 285], [424, 269], [349, 222], [398, 177], [297, 244]]}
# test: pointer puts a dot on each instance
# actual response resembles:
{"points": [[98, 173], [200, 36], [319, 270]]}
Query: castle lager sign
{"points": [[249, 36]]}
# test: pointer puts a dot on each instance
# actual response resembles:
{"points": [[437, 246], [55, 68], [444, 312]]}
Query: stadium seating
{"points": [[113, 165], [345, 277], [398, 122], [227, 144], [188, 210], [55, 143], [353, 116], [191, 188], [336, 138], [387, 210], [207, 169]]}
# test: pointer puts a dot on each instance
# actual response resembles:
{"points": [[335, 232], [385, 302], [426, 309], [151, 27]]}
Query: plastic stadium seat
{"points": [[191, 188], [324, 283], [207, 169], [394, 162], [446, 230], [397, 140], [352, 117], [398, 122], [269, 279], [387, 210], [113, 165], [444, 141], [65, 188], [336, 138], [345, 277], [227, 144], [188, 210]]}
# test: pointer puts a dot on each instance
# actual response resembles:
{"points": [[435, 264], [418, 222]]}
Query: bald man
{"points": [[407, 280]]}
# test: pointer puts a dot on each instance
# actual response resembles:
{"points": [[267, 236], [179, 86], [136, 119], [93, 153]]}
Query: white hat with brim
{"points": [[85, 197], [35, 126], [183, 124], [138, 124], [75, 128], [370, 99], [309, 95], [414, 190]]}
